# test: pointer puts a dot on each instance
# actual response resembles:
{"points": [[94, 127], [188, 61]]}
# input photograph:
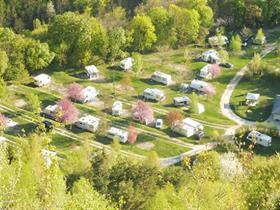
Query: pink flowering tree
{"points": [[75, 92], [215, 70], [143, 112], [132, 135], [67, 112], [209, 90], [3, 122]]}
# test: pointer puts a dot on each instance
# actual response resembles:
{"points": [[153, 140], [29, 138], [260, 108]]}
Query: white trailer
{"points": [[42, 80], [127, 64], [92, 72], [50, 111], [117, 108], [153, 94], [205, 72], [198, 85], [89, 94], [161, 77], [116, 132], [259, 138], [187, 127], [88, 122], [211, 56], [181, 101]]}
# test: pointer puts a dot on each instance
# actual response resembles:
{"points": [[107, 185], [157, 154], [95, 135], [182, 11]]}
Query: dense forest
{"points": [[111, 181], [41, 34]]}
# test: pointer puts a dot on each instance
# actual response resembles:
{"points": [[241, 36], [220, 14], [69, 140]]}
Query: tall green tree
{"points": [[142, 32]]}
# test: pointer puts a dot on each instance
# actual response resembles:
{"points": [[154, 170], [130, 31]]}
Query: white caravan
{"points": [[88, 122], [162, 78], [127, 64], [187, 127], [42, 80], [181, 101], [205, 72], [92, 72], [260, 138], [211, 56], [153, 94], [116, 132], [198, 85], [117, 108], [89, 94], [50, 111]]}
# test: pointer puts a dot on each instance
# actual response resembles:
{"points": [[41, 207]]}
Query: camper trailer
{"points": [[205, 72], [88, 122], [187, 127], [154, 94], [116, 132], [127, 64], [89, 94], [162, 78], [117, 108], [259, 138], [198, 85], [42, 80], [50, 111], [211, 56], [252, 99], [92, 72], [181, 101]]}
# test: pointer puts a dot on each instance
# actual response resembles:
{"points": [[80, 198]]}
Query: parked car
{"points": [[159, 123], [227, 65]]}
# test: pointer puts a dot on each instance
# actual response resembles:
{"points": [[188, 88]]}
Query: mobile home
{"points": [[50, 111], [88, 122], [116, 132], [89, 94], [42, 80], [153, 94], [187, 127], [181, 101], [117, 108], [198, 85], [92, 72], [211, 56], [127, 64], [162, 78], [259, 138]]}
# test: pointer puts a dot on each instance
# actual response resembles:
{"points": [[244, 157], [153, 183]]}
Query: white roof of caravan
{"points": [[161, 74], [51, 107], [47, 153], [206, 67], [154, 91], [117, 105], [117, 131], [196, 83], [253, 96], [192, 123], [90, 91], [91, 69], [126, 60], [42, 77], [260, 135], [89, 119], [181, 98], [210, 52], [10, 123]]}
